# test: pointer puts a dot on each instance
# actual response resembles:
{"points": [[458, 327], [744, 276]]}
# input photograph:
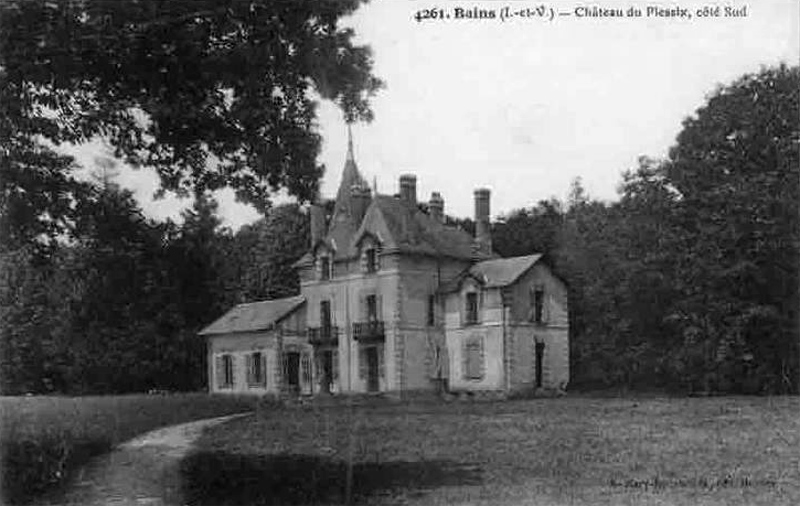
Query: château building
{"points": [[393, 299]]}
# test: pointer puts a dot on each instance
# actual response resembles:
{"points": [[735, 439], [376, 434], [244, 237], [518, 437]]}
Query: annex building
{"points": [[393, 299]]}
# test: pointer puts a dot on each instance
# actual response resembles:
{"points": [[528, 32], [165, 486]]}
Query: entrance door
{"points": [[293, 371], [327, 371], [372, 369], [539, 360]]}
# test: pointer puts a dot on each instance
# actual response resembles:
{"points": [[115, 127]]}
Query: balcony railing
{"points": [[323, 335], [368, 331]]}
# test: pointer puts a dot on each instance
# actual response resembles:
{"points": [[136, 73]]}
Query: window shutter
{"points": [[305, 364], [380, 351], [362, 363], [362, 307], [335, 367], [482, 362], [249, 368], [263, 369], [219, 371], [465, 359], [548, 304], [377, 258], [379, 304], [233, 370], [284, 369]]}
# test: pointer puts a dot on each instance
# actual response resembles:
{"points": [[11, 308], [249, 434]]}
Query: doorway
{"points": [[327, 371], [373, 384], [539, 361], [293, 371]]}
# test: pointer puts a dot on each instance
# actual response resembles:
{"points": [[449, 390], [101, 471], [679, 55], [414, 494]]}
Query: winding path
{"points": [[144, 471]]}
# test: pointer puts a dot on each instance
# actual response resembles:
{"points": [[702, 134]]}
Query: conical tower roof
{"points": [[350, 177]]}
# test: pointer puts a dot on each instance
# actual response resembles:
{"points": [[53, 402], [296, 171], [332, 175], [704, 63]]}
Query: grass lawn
{"points": [[43, 440], [574, 450]]}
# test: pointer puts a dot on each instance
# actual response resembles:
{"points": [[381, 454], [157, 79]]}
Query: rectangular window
{"points": [[227, 371], [431, 310], [372, 307], [325, 266], [472, 308], [538, 305], [474, 360], [325, 314], [256, 369], [372, 260]]}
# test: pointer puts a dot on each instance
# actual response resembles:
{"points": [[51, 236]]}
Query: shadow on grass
{"points": [[33, 467], [226, 478]]}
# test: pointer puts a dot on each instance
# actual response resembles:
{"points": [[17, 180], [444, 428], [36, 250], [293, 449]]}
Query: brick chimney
{"points": [[436, 207], [318, 226], [408, 189], [483, 232], [360, 198]]}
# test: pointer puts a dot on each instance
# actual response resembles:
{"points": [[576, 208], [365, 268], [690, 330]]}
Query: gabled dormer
{"points": [[369, 247], [324, 255]]}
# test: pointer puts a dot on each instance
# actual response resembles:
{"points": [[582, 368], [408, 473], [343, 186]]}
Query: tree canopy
{"points": [[690, 281], [209, 93]]}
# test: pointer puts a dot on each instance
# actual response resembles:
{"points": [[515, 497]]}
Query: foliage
{"points": [[689, 281], [525, 231], [45, 439], [267, 251], [735, 168], [210, 94]]}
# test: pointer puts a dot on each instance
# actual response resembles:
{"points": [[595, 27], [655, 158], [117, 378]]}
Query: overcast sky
{"points": [[525, 106]]}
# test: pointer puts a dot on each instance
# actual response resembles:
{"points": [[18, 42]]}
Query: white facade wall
{"points": [[238, 346]]}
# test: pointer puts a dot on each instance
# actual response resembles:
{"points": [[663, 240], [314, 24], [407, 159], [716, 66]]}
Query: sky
{"points": [[525, 106]]}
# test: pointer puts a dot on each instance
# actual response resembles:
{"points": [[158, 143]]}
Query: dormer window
{"points": [[325, 267], [537, 305], [471, 308], [371, 259]]}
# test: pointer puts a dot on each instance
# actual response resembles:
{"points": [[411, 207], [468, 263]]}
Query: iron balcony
{"points": [[368, 331], [323, 335]]}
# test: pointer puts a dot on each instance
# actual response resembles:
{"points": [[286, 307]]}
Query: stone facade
{"points": [[395, 300]]}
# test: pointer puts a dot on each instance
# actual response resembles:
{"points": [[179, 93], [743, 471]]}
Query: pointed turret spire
{"points": [[350, 177], [350, 156]]}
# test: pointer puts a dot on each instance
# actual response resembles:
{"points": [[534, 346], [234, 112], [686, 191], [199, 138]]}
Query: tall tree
{"points": [[736, 168], [267, 251], [209, 93], [529, 230]]}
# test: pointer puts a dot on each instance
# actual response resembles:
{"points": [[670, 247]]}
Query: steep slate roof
{"points": [[254, 316], [495, 273], [503, 271], [404, 228], [401, 226]]}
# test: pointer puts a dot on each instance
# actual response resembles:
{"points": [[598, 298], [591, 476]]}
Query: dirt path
{"points": [[143, 471]]}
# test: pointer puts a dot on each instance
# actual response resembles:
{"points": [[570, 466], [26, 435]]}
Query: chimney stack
{"points": [[436, 207], [360, 198], [318, 227], [483, 232], [408, 188]]}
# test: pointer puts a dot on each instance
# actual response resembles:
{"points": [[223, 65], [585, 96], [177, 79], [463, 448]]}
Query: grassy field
{"points": [[43, 440], [646, 451]]}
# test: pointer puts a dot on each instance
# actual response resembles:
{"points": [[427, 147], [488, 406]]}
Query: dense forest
{"points": [[687, 282]]}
